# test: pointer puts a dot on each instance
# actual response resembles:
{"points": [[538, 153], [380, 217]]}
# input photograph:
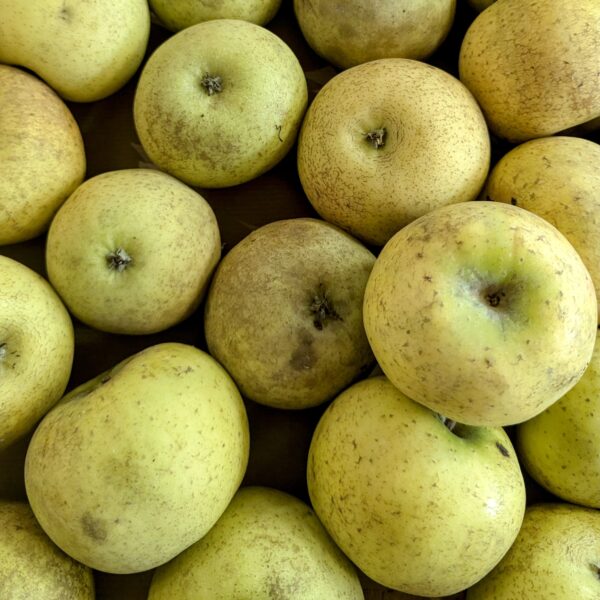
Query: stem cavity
{"points": [[322, 309], [376, 138], [212, 84], [118, 260]]}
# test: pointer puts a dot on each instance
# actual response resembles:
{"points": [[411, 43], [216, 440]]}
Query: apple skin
{"points": [[36, 349], [179, 14], [137, 464], [560, 447], [279, 549], [263, 320], [436, 149], [555, 555], [230, 136], [42, 157], [145, 214], [415, 506], [556, 178], [532, 66], [350, 32], [32, 566], [482, 311], [84, 50]]}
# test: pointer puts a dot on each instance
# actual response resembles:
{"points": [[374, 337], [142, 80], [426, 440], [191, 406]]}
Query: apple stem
{"points": [[118, 260], [212, 84], [376, 138], [322, 309]]}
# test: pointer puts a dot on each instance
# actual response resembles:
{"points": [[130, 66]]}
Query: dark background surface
{"points": [[280, 439]]}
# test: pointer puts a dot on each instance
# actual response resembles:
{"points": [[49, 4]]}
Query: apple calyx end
{"points": [[118, 260], [212, 84], [376, 137], [322, 310]]}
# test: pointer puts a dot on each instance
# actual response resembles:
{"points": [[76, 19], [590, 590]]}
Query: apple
{"points": [[480, 5], [532, 66], [36, 349], [31, 566], [560, 447], [418, 507], [386, 142], [42, 157], [220, 103], [134, 466], [84, 50], [350, 32], [132, 251], [481, 311], [283, 313], [556, 178], [179, 14], [555, 555], [277, 546]]}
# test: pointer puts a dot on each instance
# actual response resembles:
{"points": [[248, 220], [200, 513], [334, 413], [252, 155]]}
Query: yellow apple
{"points": [[42, 157], [134, 466], [482, 311]]}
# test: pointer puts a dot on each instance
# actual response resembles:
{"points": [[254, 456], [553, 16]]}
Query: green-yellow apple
{"points": [[32, 566], [284, 312], [179, 14], [386, 142], [42, 158], [418, 507], [482, 311], [560, 447], [132, 251], [533, 66], [84, 50], [36, 349], [220, 103], [134, 466], [555, 555], [558, 179], [350, 32], [277, 548]]}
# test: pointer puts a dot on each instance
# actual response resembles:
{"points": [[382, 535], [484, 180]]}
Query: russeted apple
{"points": [[560, 447], [179, 14], [36, 349], [42, 158], [482, 311], [220, 102], [137, 464], [283, 313], [32, 566], [84, 50], [132, 251], [555, 555], [533, 66], [558, 179], [419, 504], [267, 544], [386, 142], [350, 32]]}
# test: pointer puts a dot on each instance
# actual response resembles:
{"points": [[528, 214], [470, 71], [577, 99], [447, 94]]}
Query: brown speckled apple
{"points": [[132, 251], [533, 66], [284, 312], [482, 311], [387, 141], [134, 466], [42, 158], [418, 507], [36, 349], [279, 549]]}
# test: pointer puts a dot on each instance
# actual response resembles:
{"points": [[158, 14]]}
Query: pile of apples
{"points": [[298, 300]]}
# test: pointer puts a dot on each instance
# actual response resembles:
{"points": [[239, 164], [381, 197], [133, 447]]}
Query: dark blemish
{"points": [[419, 255], [376, 138], [64, 13], [513, 201], [118, 260], [595, 570], [502, 449], [279, 127], [427, 278], [322, 309], [93, 527], [213, 84]]}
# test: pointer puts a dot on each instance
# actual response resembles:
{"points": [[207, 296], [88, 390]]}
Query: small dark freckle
{"points": [[502, 449], [513, 201]]}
